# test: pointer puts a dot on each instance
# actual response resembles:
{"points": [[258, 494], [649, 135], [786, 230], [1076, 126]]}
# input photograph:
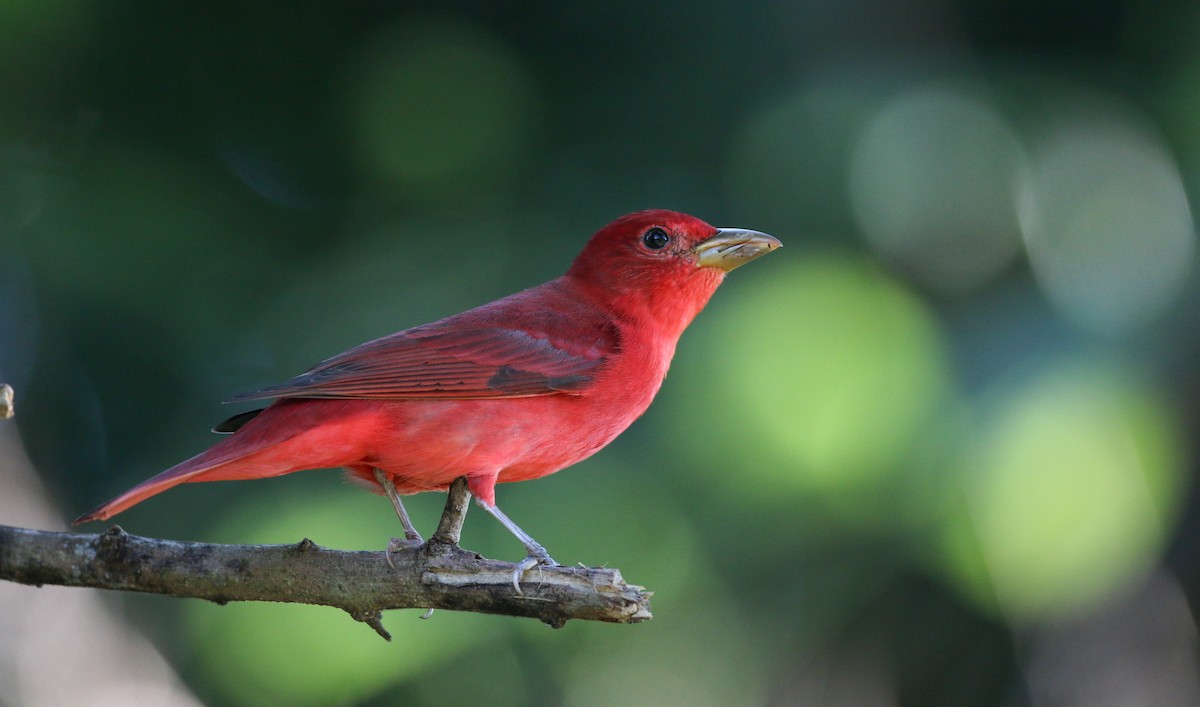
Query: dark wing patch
{"points": [[509, 378], [450, 363], [235, 423]]}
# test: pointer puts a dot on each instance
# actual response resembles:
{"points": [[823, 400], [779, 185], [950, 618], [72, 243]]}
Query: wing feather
{"points": [[462, 357]]}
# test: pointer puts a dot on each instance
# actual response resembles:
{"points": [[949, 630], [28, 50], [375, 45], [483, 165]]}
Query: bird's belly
{"points": [[426, 444]]}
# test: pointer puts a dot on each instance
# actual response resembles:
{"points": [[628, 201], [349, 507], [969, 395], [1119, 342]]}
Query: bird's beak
{"points": [[732, 247]]}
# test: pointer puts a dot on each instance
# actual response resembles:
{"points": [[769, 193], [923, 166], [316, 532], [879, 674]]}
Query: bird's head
{"points": [[663, 263]]}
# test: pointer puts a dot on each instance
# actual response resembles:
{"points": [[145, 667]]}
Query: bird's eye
{"points": [[656, 238]]}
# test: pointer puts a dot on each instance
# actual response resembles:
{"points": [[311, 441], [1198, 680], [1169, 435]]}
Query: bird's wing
{"points": [[450, 361]]}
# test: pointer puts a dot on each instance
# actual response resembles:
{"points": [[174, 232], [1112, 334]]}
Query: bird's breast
{"points": [[521, 437]]}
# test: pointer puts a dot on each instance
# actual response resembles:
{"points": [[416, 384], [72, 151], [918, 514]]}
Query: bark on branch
{"points": [[436, 575]]}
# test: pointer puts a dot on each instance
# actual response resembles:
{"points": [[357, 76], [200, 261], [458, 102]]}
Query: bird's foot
{"points": [[537, 557], [410, 540]]}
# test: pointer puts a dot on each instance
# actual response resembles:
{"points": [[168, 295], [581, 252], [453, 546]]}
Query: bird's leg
{"points": [[410, 532], [537, 554]]}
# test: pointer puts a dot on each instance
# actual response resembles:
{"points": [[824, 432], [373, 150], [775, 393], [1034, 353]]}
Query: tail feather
{"points": [[180, 473], [287, 436]]}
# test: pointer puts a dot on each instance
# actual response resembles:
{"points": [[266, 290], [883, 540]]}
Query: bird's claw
{"points": [[395, 544], [537, 557]]}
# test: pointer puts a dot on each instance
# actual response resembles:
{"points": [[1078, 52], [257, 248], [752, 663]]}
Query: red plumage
{"points": [[509, 391]]}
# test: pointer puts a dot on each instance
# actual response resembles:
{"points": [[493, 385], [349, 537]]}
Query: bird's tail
{"points": [[209, 461], [288, 436]]}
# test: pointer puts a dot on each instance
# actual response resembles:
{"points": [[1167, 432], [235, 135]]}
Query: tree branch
{"points": [[436, 575]]}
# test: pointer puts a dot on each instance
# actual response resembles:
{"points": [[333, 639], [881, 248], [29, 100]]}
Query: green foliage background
{"points": [[948, 424]]}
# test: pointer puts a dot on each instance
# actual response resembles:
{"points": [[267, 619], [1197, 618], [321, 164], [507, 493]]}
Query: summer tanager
{"points": [[509, 391]]}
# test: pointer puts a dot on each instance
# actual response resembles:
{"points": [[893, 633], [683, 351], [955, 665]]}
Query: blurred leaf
{"points": [[442, 110], [1075, 486], [825, 375]]}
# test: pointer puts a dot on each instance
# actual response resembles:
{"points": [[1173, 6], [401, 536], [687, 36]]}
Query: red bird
{"points": [[510, 391]]}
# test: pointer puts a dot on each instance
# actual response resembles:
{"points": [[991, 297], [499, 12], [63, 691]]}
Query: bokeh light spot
{"points": [[1077, 479], [441, 108], [831, 368], [1107, 223], [932, 184]]}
